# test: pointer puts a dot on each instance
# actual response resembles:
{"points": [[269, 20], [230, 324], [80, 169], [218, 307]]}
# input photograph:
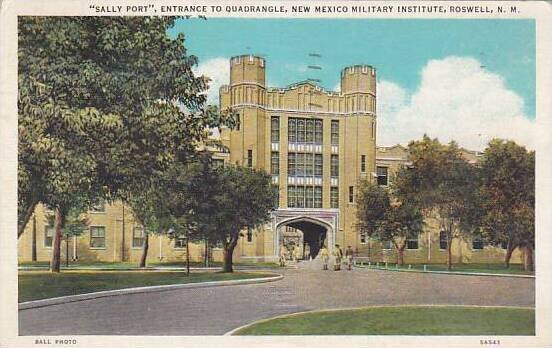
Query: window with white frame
{"points": [[49, 231], [386, 245], [138, 237], [97, 237], [179, 242], [412, 243]]}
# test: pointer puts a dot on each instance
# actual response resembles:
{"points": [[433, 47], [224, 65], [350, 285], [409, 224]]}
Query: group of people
{"points": [[295, 254], [338, 257], [337, 253]]}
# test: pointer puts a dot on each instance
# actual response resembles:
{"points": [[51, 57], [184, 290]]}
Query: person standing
{"points": [[325, 255], [338, 255], [349, 257], [283, 256]]}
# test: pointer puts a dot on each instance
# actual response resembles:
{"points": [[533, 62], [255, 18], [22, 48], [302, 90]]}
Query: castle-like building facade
{"points": [[318, 145]]}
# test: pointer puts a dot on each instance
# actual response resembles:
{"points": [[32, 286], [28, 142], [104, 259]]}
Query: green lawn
{"points": [[125, 265], [38, 285], [498, 268], [402, 321]]}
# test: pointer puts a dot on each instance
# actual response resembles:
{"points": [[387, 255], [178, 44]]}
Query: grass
{"points": [[498, 268], [402, 321], [126, 265], [38, 285]]}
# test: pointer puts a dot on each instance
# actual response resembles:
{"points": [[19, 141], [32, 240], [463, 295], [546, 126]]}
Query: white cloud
{"points": [[458, 100], [218, 70]]}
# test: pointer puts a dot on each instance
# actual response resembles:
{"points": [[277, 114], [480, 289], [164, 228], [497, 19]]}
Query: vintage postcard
{"points": [[275, 173]]}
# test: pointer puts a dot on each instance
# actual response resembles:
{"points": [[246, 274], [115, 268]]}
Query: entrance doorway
{"points": [[302, 239]]}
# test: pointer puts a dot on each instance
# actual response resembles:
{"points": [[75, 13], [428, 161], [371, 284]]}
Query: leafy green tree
{"points": [[105, 104], [221, 202], [443, 186], [386, 218], [373, 202], [508, 197]]}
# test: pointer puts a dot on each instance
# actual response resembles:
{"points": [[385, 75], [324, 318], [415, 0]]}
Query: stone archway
{"points": [[318, 226]]}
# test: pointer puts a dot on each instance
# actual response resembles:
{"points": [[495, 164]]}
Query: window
{"points": [[275, 163], [318, 196], [217, 163], [334, 197], [412, 243], [334, 166], [443, 240], [97, 237], [300, 165], [335, 132], [138, 237], [300, 196], [291, 197], [363, 163], [386, 245], [275, 129], [309, 139], [351, 194], [300, 131], [249, 235], [250, 158], [363, 239], [49, 231], [317, 165], [373, 129], [292, 130], [309, 197], [318, 132], [309, 164], [381, 172], [238, 122], [98, 207], [180, 242], [292, 160], [477, 243], [504, 244]]}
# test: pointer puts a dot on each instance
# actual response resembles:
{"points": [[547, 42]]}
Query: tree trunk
{"points": [[144, 251], [67, 251], [28, 213], [449, 251], [187, 254], [56, 245], [228, 253], [33, 251], [509, 251], [528, 259], [400, 255]]}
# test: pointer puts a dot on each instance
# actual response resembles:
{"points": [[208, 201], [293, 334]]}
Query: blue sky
{"points": [[401, 50]]}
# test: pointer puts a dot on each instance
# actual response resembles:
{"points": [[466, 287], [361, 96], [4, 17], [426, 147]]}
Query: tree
{"points": [[508, 197], [373, 202], [223, 201], [76, 222], [105, 103], [118, 87], [443, 186], [386, 218]]}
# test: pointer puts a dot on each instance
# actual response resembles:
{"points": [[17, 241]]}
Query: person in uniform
{"points": [[325, 255], [349, 257], [282, 256], [338, 255]]}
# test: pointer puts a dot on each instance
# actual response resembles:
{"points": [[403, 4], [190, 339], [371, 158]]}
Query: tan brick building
{"points": [[317, 145]]}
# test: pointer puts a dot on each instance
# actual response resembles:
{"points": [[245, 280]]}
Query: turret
{"points": [[358, 84]]}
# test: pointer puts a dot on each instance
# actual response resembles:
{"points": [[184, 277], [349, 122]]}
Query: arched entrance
{"points": [[303, 238], [305, 230]]}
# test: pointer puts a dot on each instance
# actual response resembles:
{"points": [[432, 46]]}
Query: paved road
{"points": [[214, 311]]}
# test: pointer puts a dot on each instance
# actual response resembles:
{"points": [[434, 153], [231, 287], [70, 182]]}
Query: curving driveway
{"points": [[215, 311]]}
